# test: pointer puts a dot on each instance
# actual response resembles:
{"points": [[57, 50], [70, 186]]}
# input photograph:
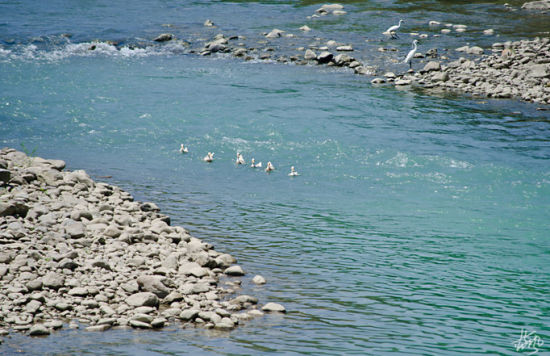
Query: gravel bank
{"points": [[74, 251]]}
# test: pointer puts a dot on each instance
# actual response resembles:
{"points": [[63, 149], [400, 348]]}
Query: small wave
{"points": [[31, 52]]}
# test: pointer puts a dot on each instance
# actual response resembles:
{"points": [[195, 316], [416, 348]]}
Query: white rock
{"points": [[258, 279], [273, 308]]}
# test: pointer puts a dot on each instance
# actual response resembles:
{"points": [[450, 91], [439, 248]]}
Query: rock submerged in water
{"points": [[101, 258]]}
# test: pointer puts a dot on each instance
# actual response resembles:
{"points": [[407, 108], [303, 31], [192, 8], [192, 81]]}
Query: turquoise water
{"points": [[418, 225]]}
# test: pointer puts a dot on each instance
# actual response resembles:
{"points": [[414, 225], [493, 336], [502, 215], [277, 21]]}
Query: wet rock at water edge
{"points": [[258, 279], [163, 37], [234, 271], [39, 330], [273, 308], [324, 57]]}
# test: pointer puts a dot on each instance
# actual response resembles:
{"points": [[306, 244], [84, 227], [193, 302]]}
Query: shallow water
{"points": [[418, 225]]}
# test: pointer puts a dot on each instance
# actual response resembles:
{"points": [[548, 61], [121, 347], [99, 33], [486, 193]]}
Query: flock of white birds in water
{"points": [[392, 31], [240, 160]]}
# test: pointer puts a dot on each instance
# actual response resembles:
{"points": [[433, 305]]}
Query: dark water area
{"points": [[419, 223]]}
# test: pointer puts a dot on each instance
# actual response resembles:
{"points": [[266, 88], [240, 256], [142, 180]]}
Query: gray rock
{"points": [[143, 318], [35, 284], [189, 314], [342, 60], [378, 81], [6, 257], [325, 57], [147, 299], [144, 310], [475, 50], [39, 330], [234, 271], [7, 209], [140, 324], [163, 37], [401, 82], [54, 324], [225, 324], [153, 284], [78, 291], [62, 306], [107, 321], [5, 176], [273, 308], [440, 77], [107, 310], [67, 263], [537, 5], [158, 322], [101, 264], [431, 67], [33, 306], [130, 287], [539, 71], [99, 327], [258, 279], [275, 33], [76, 230], [346, 48], [53, 280], [309, 55], [148, 206]]}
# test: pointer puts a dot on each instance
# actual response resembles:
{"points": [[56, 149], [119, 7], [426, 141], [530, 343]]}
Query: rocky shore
{"points": [[74, 251], [518, 69]]}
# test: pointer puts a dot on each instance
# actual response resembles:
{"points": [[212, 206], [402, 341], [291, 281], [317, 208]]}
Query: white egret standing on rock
{"points": [[411, 54], [392, 30]]}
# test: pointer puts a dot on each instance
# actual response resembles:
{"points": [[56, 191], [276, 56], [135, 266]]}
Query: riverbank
{"points": [[518, 69], [78, 251]]}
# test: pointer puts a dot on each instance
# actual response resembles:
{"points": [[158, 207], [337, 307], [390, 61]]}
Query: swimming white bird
{"points": [[253, 164], [392, 30], [183, 149], [411, 54], [209, 157], [293, 172], [269, 167], [240, 159]]}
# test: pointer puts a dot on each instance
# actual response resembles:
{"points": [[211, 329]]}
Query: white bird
{"points": [[209, 157], [183, 149], [293, 172], [269, 167], [240, 159], [253, 164], [411, 54], [392, 30]]}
